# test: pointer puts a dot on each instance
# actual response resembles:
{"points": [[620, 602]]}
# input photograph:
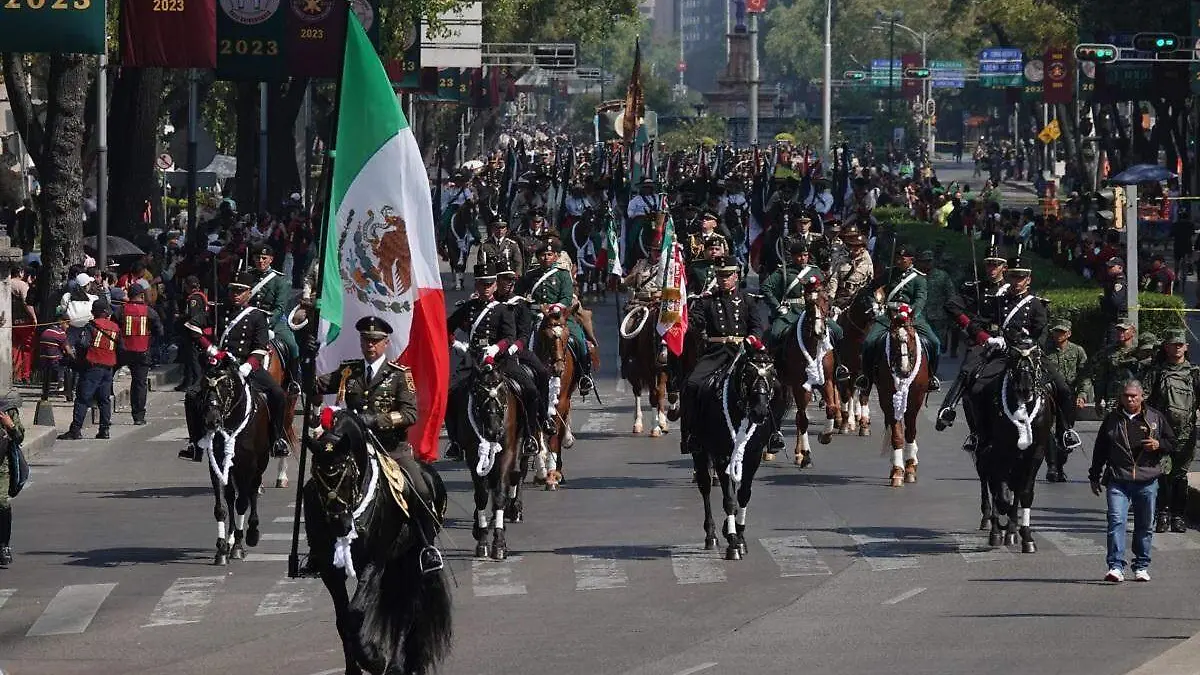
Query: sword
{"points": [[975, 269]]}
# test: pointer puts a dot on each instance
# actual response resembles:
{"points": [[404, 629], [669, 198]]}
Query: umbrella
{"points": [[1142, 173], [117, 246]]}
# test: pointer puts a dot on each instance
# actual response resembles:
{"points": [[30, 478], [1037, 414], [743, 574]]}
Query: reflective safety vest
{"points": [[135, 328], [102, 350]]}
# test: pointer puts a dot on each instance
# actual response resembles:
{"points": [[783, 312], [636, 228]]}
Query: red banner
{"points": [[316, 30], [910, 88], [1059, 70], [169, 33], [756, 6]]}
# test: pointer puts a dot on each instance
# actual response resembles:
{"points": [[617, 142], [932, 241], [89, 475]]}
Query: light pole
{"points": [[922, 38], [891, 18], [827, 85]]}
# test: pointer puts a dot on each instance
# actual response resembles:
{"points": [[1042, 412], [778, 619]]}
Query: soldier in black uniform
{"points": [[245, 340], [723, 320], [195, 318], [499, 248], [524, 324], [1115, 301]]}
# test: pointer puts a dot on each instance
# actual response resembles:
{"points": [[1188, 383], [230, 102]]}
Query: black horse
{"points": [[732, 423], [237, 444], [1014, 433], [399, 620]]}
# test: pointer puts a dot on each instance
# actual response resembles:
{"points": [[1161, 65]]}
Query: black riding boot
{"points": [[6, 557], [277, 404], [935, 358], [946, 413]]}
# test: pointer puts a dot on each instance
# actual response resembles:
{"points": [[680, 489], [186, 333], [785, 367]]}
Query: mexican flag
{"points": [[380, 258], [672, 312]]}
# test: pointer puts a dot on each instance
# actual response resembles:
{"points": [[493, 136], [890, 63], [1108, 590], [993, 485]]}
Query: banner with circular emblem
{"points": [[315, 32], [251, 39]]}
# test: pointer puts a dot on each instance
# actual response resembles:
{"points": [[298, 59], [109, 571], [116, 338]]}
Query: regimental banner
{"points": [[252, 39], [911, 87], [1059, 76], [169, 33], [52, 26], [315, 30]]}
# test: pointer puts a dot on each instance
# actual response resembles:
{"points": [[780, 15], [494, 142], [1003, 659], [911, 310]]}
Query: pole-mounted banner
{"points": [[169, 33], [251, 40], [52, 26], [1058, 79]]}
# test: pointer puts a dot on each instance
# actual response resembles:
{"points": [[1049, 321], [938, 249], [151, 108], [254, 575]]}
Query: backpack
{"points": [[1174, 393]]}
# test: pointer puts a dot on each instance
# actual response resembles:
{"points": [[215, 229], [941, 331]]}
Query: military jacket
{"points": [[910, 287], [645, 278], [782, 293], [941, 289], [700, 276], [388, 400], [850, 276], [502, 254], [1183, 421], [196, 310], [979, 307], [522, 316], [496, 324], [547, 286], [1110, 369], [246, 332], [1071, 361], [1020, 313], [829, 254], [725, 314], [272, 297]]}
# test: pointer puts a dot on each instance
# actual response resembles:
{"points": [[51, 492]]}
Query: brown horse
{"points": [[274, 367], [807, 362], [551, 346], [855, 321], [644, 363], [902, 378]]}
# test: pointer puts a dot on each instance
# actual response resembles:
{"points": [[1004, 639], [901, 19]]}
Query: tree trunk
{"points": [[246, 180], [133, 145], [283, 173]]}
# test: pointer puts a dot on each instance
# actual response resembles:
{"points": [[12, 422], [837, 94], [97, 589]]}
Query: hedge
{"points": [[1072, 297]]}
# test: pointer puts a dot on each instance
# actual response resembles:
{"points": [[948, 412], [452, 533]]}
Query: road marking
{"points": [[599, 422], [905, 595], [884, 553], [693, 565], [795, 556], [1072, 545], [286, 519], [5, 594], [1174, 542], [288, 596], [71, 610], [276, 536], [494, 578], [599, 570], [50, 461], [972, 548], [696, 669], [331, 671], [174, 435], [185, 601], [266, 557]]}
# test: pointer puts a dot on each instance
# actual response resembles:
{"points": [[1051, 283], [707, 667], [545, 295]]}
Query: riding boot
{"points": [[946, 413], [6, 556], [279, 446], [935, 359], [586, 384]]}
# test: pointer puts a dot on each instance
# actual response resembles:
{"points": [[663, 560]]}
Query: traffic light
{"points": [[1096, 53], [854, 75], [1156, 42], [557, 57], [916, 73]]}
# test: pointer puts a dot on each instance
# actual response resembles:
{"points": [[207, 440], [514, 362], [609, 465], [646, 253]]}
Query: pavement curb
{"points": [[40, 439]]}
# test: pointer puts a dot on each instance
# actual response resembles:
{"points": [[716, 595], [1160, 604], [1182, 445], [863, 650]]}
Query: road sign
{"points": [[880, 70], [947, 74], [1000, 67], [1050, 133], [164, 162]]}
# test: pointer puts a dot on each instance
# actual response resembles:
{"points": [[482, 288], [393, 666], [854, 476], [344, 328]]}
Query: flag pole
{"points": [[315, 317]]}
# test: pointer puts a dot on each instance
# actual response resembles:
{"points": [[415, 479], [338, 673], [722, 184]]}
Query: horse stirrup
{"points": [[431, 560]]}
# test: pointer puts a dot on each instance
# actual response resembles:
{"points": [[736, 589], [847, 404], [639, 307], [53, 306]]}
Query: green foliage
{"points": [[694, 132], [1089, 326]]}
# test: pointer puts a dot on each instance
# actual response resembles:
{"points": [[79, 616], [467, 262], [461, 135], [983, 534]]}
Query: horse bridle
{"points": [[224, 404], [761, 372], [341, 470]]}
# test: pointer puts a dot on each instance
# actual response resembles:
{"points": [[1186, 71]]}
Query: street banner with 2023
{"points": [[52, 26], [169, 33]]}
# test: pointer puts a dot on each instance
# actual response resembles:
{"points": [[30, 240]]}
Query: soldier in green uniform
{"points": [[941, 289], [548, 284], [1173, 388], [14, 432], [904, 284], [783, 292], [1115, 364], [271, 293], [1147, 349], [1071, 361], [700, 271]]}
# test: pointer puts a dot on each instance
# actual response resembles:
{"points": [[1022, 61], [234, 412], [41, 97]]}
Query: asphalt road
{"points": [[114, 542]]}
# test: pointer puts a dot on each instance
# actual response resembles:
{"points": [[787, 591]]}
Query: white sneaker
{"points": [[1115, 575], [1141, 575]]}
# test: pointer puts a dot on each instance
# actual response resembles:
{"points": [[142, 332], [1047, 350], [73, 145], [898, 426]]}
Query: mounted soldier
{"points": [[829, 250], [246, 340], [548, 284], [271, 292], [700, 271], [784, 290], [852, 274], [640, 213], [524, 324], [904, 285], [500, 249]]}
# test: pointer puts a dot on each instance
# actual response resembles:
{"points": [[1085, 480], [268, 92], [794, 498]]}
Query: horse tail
{"points": [[429, 638]]}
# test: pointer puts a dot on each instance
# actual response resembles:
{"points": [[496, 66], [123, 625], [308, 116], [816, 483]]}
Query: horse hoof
{"points": [[910, 474], [825, 437], [807, 461], [482, 551], [1010, 539], [252, 538], [518, 517], [260, 490], [768, 457], [897, 476], [733, 553], [742, 548], [238, 553], [673, 415], [710, 543], [551, 486], [568, 442], [864, 431], [1028, 547], [221, 560], [984, 524], [655, 432], [499, 553], [281, 482], [637, 428], [995, 539]]}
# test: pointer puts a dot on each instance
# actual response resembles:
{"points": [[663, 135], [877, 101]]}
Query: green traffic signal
{"points": [[917, 73], [1156, 42], [1096, 53], [854, 75]]}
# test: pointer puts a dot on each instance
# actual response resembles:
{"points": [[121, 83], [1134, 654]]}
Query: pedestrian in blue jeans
{"points": [[1132, 450]]}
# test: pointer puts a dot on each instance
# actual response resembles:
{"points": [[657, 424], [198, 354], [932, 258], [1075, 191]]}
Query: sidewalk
{"points": [[39, 439]]}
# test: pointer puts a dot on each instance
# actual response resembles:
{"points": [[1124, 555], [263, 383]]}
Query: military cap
{"points": [[709, 214], [803, 218], [724, 266], [548, 244], [832, 223], [1148, 340], [904, 251], [647, 182], [261, 248], [1123, 322], [925, 256], [1174, 336], [101, 307], [242, 282], [1018, 267], [482, 272], [504, 268], [538, 212], [797, 247], [1064, 326], [993, 254], [499, 222], [1115, 261], [854, 239], [373, 327], [791, 181], [715, 239]]}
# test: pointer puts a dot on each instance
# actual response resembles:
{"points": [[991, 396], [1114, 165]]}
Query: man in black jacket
{"points": [[1132, 450]]}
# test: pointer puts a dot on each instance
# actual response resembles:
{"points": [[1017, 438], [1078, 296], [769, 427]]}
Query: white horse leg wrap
{"points": [[741, 516], [829, 425], [910, 452], [1023, 516], [282, 463], [499, 519], [551, 461], [637, 409], [481, 519], [730, 525], [864, 412], [897, 457], [220, 530], [512, 491], [805, 444], [239, 522]]}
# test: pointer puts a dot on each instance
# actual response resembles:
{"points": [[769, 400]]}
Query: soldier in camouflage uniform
{"points": [[1173, 388], [941, 289], [1115, 364], [1071, 361], [853, 274], [14, 432], [271, 293], [549, 284]]}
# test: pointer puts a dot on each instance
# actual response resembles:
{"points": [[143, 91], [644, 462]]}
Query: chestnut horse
{"points": [[807, 362], [902, 378], [551, 346], [855, 321], [644, 363], [274, 367]]}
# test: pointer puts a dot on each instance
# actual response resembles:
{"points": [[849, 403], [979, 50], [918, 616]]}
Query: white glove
{"points": [[512, 350], [244, 370], [996, 343], [212, 350], [459, 345], [491, 351]]}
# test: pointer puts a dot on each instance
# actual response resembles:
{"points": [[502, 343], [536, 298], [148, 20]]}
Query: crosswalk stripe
{"points": [[185, 601], [1073, 546], [1174, 542], [266, 557], [973, 548], [598, 570], [5, 594], [289, 596], [693, 565], [174, 435], [883, 553], [794, 556], [286, 519], [71, 610], [494, 578], [598, 421], [276, 536]]}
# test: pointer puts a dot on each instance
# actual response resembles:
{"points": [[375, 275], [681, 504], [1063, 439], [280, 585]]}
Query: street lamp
{"points": [[891, 18], [827, 85], [922, 39]]}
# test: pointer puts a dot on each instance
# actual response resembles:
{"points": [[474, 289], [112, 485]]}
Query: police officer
{"points": [[1115, 301], [139, 323], [245, 339], [548, 284], [784, 290], [13, 432], [1173, 388], [499, 249], [270, 293], [724, 320], [95, 350], [1070, 360], [905, 285], [195, 319]]}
